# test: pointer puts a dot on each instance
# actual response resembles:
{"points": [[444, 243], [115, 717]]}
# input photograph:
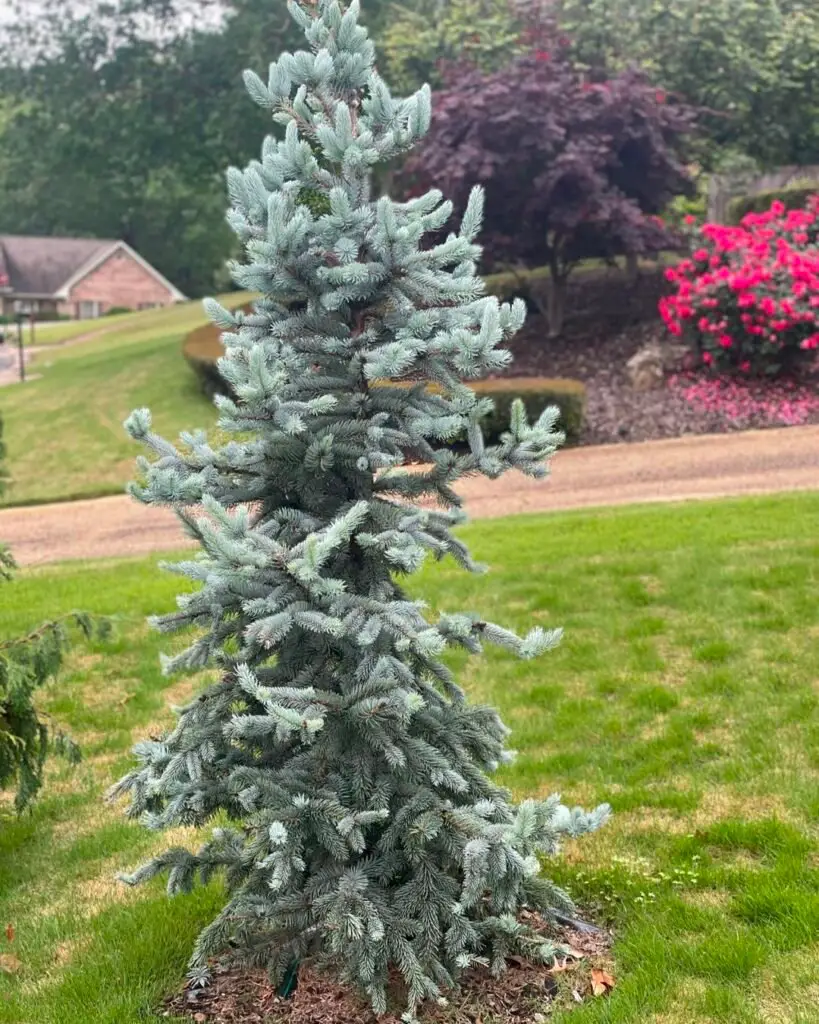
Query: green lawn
{"points": [[64, 432], [60, 331], [686, 693]]}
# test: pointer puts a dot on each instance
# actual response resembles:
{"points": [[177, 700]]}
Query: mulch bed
{"points": [[610, 321], [246, 996]]}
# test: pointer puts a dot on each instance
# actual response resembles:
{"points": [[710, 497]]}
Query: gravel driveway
{"points": [[755, 462]]}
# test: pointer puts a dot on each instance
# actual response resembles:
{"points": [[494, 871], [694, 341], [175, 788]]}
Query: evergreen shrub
{"points": [[346, 779]]}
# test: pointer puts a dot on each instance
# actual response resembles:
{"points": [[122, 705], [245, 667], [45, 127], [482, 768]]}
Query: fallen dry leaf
{"points": [[9, 964], [199, 1017], [602, 982], [10, 932]]}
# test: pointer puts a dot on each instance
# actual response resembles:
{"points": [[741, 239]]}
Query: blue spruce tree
{"points": [[358, 822]]}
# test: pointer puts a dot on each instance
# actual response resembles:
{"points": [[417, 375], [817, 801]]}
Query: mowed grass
{"points": [[64, 431], [686, 693], [58, 332]]}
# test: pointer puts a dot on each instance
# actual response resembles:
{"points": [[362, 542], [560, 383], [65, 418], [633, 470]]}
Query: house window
{"points": [[148, 305], [88, 310], [26, 307]]}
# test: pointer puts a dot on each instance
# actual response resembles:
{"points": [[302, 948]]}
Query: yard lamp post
{"points": [[20, 349]]}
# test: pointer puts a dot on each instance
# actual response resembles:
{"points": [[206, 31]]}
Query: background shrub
{"points": [[795, 196], [203, 348], [537, 393], [748, 299]]}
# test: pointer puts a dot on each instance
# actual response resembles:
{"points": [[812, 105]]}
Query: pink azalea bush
{"points": [[747, 299]]}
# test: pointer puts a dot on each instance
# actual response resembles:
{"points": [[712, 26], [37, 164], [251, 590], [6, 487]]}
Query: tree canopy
{"points": [[748, 65], [117, 117], [572, 168]]}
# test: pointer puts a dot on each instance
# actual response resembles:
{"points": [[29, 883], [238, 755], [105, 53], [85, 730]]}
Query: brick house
{"points": [[78, 277]]}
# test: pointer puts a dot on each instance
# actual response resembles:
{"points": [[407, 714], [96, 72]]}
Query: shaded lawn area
{"points": [[686, 693], [64, 431]]}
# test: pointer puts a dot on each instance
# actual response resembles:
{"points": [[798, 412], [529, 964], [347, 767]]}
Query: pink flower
{"points": [[707, 358], [725, 341]]}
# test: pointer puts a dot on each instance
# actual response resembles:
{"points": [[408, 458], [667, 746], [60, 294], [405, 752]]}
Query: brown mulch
{"points": [[609, 321], [246, 996]]}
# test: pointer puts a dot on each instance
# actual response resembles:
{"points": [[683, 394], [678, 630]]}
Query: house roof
{"points": [[41, 266]]}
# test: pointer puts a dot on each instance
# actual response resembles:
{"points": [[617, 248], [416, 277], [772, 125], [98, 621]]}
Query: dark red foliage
{"points": [[572, 168]]}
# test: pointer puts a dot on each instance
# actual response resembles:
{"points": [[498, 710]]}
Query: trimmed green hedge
{"points": [[203, 347], [795, 197], [510, 284], [538, 393]]}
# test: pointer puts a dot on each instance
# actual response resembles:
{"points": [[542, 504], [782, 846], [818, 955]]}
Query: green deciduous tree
{"points": [[421, 40], [349, 778], [748, 64], [117, 120]]}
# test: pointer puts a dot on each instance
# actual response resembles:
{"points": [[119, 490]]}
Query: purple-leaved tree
{"points": [[572, 168]]}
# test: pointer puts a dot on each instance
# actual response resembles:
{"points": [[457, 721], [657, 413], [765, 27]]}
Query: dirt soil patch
{"points": [[524, 990], [609, 321]]}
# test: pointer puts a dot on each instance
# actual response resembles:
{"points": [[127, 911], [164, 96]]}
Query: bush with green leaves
{"points": [[27, 735], [795, 196], [347, 777]]}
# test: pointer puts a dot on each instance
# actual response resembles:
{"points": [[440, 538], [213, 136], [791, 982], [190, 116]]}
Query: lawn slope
{"points": [[64, 431]]}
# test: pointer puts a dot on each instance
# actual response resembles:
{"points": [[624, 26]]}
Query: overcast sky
{"points": [[31, 7]]}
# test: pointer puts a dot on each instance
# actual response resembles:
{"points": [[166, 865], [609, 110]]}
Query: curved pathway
{"points": [[712, 466]]}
